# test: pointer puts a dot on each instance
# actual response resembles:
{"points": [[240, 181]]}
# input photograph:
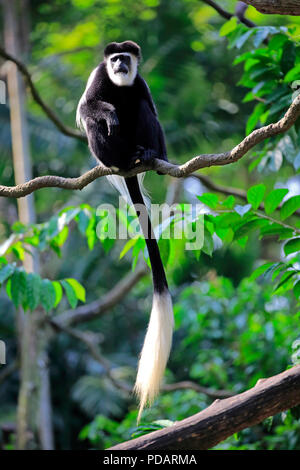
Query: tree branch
{"points": [[37, 98], [276, 7], [177, 171], [223, 418], [239, 12], [189, 385], [230, 191], [99, 307]]}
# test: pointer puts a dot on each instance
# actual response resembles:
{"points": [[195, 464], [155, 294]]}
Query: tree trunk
{"points": [[31, 340], [276, 7]]}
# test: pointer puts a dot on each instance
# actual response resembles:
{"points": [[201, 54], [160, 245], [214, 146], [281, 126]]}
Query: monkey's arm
{"points": [[100, 111]]}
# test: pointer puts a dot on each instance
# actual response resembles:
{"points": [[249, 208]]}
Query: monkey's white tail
{"points": [[156, 349]]}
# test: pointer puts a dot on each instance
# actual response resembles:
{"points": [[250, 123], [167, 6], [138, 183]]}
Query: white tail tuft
{"points": [[156, 349]]}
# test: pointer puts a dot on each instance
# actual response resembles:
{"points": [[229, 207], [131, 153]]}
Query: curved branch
{"points": [[240, 12], [177, 171], [223, 418], [103, 305], [37, 98]]}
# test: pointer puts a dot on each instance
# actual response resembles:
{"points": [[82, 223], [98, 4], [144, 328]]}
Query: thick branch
{"points": [[36, 96], [276, 7], [225, 417], [177, 171]]}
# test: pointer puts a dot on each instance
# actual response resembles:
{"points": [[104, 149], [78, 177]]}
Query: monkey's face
{"points": [[122, 68]]}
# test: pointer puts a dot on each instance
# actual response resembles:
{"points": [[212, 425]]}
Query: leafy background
{"points": [[235, 300]]}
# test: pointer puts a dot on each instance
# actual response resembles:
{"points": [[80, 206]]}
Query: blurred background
{"points": [[231, 330]]}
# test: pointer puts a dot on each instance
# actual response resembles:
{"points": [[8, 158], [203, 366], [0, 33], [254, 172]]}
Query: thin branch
{"points": [[99, 307], [240, 12], [91, 341], [8, 371], [230, 191], [226, 417], [36, 96], [189, 385], [177, 171]]}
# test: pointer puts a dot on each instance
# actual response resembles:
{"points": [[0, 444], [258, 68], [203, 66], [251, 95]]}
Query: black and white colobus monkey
{"points": [[119, 117]]}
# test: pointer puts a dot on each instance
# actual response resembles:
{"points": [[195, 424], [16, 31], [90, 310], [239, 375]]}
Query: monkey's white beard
{"points": [[123, 79], [156, 349]]}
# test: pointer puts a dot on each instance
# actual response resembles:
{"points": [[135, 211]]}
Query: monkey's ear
{"points": [[133, 47], [111, 48]]}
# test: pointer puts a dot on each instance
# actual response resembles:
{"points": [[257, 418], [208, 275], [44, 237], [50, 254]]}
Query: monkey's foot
{"points": [[143, 156]]}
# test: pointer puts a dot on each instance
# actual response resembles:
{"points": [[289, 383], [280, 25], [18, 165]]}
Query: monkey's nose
{"points": [[121, 68]]}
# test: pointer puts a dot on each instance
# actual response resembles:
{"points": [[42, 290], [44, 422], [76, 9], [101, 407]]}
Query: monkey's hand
{"points": [[113, 124]]}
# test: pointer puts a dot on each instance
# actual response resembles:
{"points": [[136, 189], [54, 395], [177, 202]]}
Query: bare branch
{"points": [[177, 171], [99, 307], [36, 96], [189, 385], [223, 418], [240, 13]]}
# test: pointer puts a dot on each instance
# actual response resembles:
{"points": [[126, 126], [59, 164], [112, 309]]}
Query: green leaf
{"points": [[164, 248], [289, 207], [58, 292], [6, 272], [285, 280], [288, 56], [33, 288], [254, 118], [228, 27], [242, 39], [18, 287], [260, 36], [248, 227], [292, 246], [83, 220], [71, 295], [128, 245], [260, 270], [229, 202], [255, 195], [292, 74], [78, 288], [296, 289], [209, 199], [208, 245], [274, 198], [47, 294]]}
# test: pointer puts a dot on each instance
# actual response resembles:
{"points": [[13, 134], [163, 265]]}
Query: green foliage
{"points": [[30, 290], [270, 69], [230, 330]]}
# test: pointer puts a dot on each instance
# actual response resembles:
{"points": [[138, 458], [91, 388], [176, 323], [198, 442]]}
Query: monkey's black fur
{"points": [[122, 123], [123, 127]]}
